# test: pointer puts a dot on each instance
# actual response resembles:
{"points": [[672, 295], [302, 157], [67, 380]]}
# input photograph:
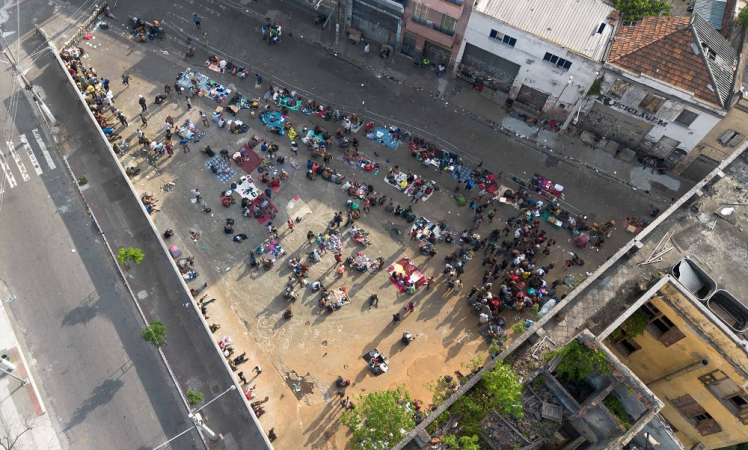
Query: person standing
{"points": [[142, 103], [367, 204], [204, 118], [290, 225], [110, 98], [122, 119], [144, 120], [167, 89], [257, 369], [338, 259], [196, 18], [178, 89], [126, 81], [189, 104], [367, 48]]}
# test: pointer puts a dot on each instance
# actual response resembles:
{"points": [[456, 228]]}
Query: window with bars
{"points": [[557, 61], [506, 39]]}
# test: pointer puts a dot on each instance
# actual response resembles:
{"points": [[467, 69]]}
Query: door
{"points": [[533, 98], [437, 55], [498, 73]]}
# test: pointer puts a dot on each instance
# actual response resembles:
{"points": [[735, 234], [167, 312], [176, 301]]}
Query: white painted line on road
{"points": [[19, 163], [8, 175], [32, 156], [43, 146], [180, 18]]}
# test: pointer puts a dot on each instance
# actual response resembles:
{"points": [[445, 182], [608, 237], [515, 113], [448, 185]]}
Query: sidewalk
{"points": [[22, 412]]}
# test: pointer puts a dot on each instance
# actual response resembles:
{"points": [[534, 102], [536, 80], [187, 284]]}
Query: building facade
{"points": [[690, 356], [434, 29], [380, 21], [544, 55], [665, 85]]}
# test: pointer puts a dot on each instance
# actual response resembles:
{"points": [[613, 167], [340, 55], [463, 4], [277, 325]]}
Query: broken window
{"points": [[686, 118], [696, 415], [626, 346], [618, 88], [661, 327], [651, 103], [728, 393]]}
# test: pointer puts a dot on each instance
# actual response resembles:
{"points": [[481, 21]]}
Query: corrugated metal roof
{"points": [[571, 24], [711, 10]]}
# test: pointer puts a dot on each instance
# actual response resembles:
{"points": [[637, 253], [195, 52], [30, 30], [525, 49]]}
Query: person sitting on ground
{"points": [[274, 183]]}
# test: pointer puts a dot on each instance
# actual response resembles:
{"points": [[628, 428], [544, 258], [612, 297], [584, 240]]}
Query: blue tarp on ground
{"points": [[222, 166], [384, 137]]}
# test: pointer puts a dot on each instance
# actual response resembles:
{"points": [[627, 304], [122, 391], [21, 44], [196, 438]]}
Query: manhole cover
{"points": [[215, 389]]}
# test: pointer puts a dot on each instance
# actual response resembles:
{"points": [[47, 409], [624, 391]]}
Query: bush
{"points": [[82, 181], [519, 327], [465, 443], [634, 326], [193, 398], [155, 333], [130, 254], [635, 10], [596, 87], [578, 362], [616, 408]]}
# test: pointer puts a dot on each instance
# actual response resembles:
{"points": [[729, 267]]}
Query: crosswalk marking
{"points": [[43, 146], [11, 180], [32, 156], [19, 163]]}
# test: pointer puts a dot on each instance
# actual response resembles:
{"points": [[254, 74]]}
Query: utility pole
{"points": [[27, 85]]}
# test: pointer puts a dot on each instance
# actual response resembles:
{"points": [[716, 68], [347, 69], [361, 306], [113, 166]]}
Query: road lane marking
{"points": [[11, 180], [43, 146], [32, 156], [19, 163]]}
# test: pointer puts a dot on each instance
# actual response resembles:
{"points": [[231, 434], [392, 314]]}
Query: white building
{"points": [[667, 82], [543, 54]]}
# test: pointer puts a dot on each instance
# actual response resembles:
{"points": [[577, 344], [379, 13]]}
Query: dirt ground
{"points": [[302, 357]]}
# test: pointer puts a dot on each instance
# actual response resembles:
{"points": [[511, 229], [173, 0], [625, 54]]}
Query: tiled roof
{"points": [[571, 24], [684, 52]]}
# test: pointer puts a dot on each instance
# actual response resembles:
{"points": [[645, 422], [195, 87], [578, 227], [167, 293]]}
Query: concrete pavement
{"points": [[23, 416]]}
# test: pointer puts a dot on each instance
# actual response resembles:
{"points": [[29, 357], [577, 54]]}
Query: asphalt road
{"points": [[105, 387]]}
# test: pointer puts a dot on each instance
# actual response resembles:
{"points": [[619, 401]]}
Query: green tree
{"points": [[634, 10], [193, 397], [380, 419], [505, 390], [155, 333], [128, 254], [466, 443], [743, 20], [634, 326]]}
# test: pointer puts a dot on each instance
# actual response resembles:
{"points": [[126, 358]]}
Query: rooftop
{"points": [[686, 53], [580, 26], [711, 10]]}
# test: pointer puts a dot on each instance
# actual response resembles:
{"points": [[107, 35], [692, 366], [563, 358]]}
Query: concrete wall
{"points": [[664, 118], [710, 146], [528, 53], [654, 360]]}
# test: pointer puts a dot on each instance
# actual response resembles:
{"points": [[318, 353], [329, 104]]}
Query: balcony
{"points": [[431, 31], [452, 8]]}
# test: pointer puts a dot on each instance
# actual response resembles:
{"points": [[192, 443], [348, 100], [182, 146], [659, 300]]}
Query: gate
{"points": [[498, 73], [437, 55], [374, 25], [615, 125], [533, 98]]}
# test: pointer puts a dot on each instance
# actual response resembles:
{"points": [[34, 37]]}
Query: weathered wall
{"points": [[535, 73], [654, 360], [629, 100]]}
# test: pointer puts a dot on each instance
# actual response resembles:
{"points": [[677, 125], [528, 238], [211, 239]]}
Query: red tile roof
{"points": [[663, 48]]}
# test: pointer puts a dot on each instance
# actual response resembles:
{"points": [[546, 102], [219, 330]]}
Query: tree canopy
{"points": [[380, 419], [634, 10]]}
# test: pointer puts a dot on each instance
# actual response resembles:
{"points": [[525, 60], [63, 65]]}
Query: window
{"points": [[728, 393], [696, 415], [448, 25], [618, 88], [508, 40], [686, 118], [420, 13], [661, 327], [711, 54], [557, 61], [651, 103], [626, 346]]}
